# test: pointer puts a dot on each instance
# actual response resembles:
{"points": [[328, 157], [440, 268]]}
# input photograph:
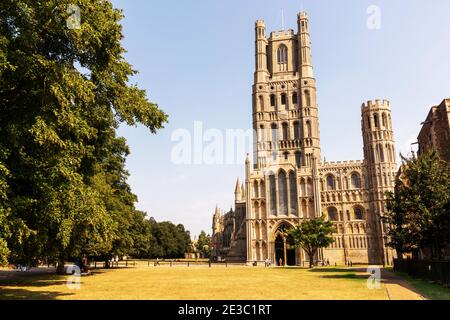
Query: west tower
{"points": [[285, 115]]}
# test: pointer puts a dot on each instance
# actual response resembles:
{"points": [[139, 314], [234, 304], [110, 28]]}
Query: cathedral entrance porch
{"points": [[284, 251]]}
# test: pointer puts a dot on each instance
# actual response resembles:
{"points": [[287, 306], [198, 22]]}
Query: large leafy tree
{"points": [[311, 235], [418, 214], [63, 93]]}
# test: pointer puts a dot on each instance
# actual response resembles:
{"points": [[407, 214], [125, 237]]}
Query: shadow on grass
{"points": [[332, 270], [345, 276], [341, 273], [25, 294], [21, 285]]}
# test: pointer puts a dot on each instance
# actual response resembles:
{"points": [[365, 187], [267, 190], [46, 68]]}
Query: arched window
{"points": [[286, 155], [308, 98], [283, 99], [262, 133], [388, 153], [332, 214], [273, 195], [303, 187], [293, 192], [261, 103], [296, 130], [375, 120], [380, 147], [309, 187], [262, 192], [294, 99], [330, 182], [282, 193], [272, 101], [356, 181], [308, 129], [282, 57], [358, 213], [274, 130], [368, 122], [384, 120], [393, 153], [285, 131], [256, 189], [298, 159]]}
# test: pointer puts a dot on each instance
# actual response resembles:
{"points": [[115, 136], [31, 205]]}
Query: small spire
{"points": [[238, 187], [243, 188]]}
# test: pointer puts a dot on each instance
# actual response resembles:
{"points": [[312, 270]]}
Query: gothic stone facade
{"points": [[435, 132], [289, 182]]}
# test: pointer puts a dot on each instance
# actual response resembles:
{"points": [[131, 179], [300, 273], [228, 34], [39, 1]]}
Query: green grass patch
{"points": [[428, 289]]}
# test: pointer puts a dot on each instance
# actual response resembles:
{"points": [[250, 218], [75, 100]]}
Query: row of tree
{"points": [[166, 240], [418, 218], [63, 93]]}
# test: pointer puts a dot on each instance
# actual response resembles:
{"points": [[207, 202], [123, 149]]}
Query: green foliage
{"points": [[168, 240], [418, 214], [11, 229], [203, 244], [63, 93], [311, 235]]}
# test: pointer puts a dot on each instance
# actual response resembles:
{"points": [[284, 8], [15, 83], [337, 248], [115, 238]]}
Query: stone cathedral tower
{"points": [[380, 156], [284, 97], [288, 182]]}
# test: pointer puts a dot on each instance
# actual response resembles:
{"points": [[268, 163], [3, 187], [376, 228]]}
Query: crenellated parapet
{"points": [[376, 104]]}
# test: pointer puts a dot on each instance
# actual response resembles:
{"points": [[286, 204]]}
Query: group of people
{"points": [[326, 262], [267, 263]]}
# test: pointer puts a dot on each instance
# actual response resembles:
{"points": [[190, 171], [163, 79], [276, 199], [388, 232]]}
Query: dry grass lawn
{"points": [[197, 283]]}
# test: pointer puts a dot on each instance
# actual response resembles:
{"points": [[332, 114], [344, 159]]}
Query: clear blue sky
{"points": [[196, 60]]}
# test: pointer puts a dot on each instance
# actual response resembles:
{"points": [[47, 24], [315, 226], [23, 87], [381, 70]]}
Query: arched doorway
{"points": [[279, 249], [283, 247]]}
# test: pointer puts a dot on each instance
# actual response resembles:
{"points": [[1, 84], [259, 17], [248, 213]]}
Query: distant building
{"points": [[435, 133], [289, 182]]}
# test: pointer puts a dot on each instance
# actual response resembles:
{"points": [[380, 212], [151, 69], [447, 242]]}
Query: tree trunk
{"points": [[399, 251], [60, 268], [311, 258]]}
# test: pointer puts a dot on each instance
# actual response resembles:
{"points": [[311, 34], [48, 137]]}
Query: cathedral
{"points": [[287, 180]]}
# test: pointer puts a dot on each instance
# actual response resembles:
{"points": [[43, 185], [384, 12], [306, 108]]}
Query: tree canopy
{"points": [[311, 235], [63, 93], [418, 216]]}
